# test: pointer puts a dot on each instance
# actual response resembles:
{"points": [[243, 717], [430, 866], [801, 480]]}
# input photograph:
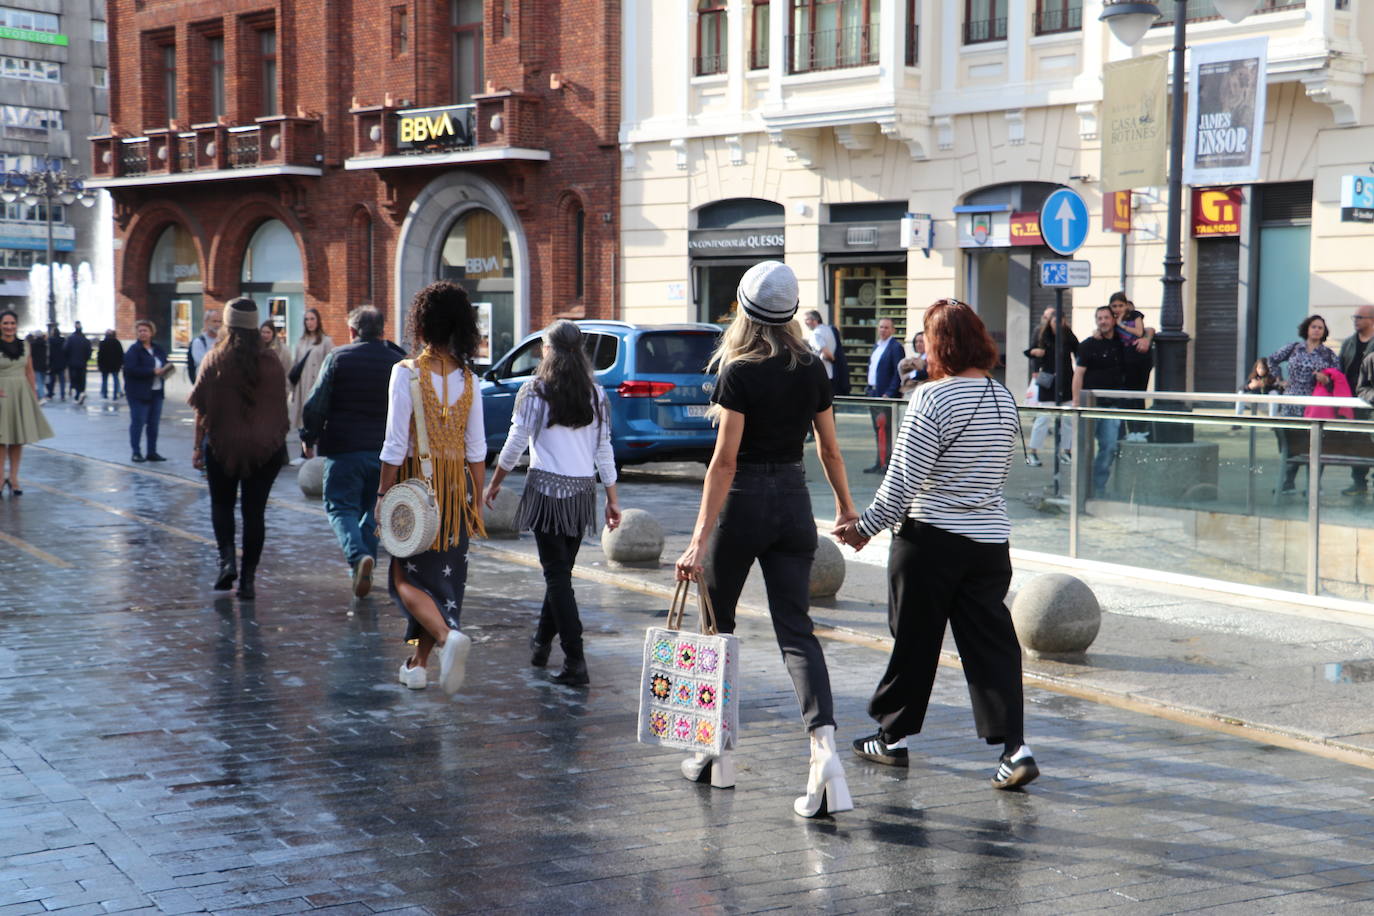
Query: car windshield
{"points": [[674, 352]]}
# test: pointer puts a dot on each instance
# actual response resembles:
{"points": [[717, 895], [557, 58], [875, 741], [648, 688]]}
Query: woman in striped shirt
{"points": [[949, 562]]}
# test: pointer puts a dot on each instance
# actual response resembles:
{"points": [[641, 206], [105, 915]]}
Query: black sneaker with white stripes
{"points": [[874, 748], [1013, 773]]}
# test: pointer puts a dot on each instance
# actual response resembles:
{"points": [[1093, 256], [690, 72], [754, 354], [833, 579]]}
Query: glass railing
{"points": [[1210, 488]]}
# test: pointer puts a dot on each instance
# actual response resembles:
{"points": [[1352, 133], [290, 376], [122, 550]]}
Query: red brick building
{"points": [[330, 153]]}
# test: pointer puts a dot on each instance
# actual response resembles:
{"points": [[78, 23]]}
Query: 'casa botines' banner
{"points": [[1225, 112], [1135, 132]]}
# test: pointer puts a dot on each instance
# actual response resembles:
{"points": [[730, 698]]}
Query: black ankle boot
{"points": [[246, 590], [574, 673], [227, 574], [539, 651]]}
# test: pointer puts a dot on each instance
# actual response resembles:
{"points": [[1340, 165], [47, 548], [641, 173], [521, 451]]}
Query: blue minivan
{"points": [[655, 379]]}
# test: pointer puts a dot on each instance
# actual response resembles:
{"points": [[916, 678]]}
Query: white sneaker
{"points": [[297, 461], [453, 661], [414, 678]]}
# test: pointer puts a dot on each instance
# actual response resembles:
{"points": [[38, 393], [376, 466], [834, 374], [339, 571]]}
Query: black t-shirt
{"points": [[1104, 360], [1352, 371], [778, 404]]}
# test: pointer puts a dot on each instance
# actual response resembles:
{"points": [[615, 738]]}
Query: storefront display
{"points": [[866, 294]]}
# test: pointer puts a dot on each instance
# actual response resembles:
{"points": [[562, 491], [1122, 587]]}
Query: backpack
{"points": [[840, 383]]}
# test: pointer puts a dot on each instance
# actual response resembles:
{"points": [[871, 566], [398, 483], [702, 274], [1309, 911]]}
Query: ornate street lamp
{"points": [[1129, 20], [44, 186]]}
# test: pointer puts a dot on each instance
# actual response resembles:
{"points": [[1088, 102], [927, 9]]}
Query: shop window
{"points": [[759, 34], [267, 63], [861, 295], [465, 24], [477, 255], [985, 20], [215, 52], [272, 272], [833, 34], [1058, 16], [713, 47], [400, 31]]}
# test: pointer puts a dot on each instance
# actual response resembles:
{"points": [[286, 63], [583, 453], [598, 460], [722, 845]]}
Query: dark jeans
{"points": [[559, 617], [57, 378], [145, 415], [350, 494], [935, 576], [767, 516], [78, 377], [224, 492], [105, 378]]}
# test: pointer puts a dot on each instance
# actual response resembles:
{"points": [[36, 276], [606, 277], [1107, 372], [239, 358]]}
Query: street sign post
{"points": [[1064, 221], [1065, 273]]}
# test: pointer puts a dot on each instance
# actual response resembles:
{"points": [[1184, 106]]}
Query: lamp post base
{"points": [[1171, 374]]}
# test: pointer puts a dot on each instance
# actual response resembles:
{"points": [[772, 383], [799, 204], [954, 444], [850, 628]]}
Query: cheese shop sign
{"points": [[426, 128]]}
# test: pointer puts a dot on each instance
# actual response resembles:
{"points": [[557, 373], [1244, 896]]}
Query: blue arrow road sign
{"points": [[1064, 221]]}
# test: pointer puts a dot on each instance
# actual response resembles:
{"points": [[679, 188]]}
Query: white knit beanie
{"points": [[768, 293]]}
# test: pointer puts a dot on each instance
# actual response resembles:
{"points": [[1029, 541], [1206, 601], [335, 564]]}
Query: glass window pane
{"points": [[467, 12]]}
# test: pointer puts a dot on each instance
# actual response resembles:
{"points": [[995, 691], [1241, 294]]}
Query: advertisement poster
{"points": [[483, 331], [181, 324], [1135, 118], [1225, 112]]}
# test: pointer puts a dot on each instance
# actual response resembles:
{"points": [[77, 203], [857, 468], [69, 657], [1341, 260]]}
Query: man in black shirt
{"points": [[1353, 351], [1101, 363]]}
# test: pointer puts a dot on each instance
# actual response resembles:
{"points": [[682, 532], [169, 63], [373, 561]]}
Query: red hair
{"points": [[957, 339]]}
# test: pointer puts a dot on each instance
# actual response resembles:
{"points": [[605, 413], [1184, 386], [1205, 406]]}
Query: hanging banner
{"points": [[1135, 112], [1226, 112]]}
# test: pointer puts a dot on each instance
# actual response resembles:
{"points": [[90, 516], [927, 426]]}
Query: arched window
{"points": [[477, 256], [712, 44], [273, 275], [175, 291]]}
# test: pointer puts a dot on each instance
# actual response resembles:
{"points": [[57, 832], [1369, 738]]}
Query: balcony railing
{"points": [[977, 31], [275, 141], [495, 121], [1203, 10], [1048, 22], [758, 58], [711, 64], [835, 49]]}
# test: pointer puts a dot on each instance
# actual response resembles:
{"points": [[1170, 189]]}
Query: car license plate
{"points": [[697, 410]]}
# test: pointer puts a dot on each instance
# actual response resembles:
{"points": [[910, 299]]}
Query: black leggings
{"points": [[257, 486], [559, 617]]}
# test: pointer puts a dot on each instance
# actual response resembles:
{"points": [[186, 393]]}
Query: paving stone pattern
{"points": [[162, 751]]}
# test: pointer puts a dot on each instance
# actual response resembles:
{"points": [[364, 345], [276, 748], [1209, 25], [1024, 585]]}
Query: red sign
{"points": [[1025, 229], [1216, 211], [1116, 211]]}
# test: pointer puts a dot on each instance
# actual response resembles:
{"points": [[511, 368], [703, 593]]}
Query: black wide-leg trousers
{"points": [[935, 577]]}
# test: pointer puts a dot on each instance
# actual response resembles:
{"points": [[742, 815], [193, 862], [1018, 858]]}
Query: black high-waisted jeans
{"points": [[767, 516], [224, 491]]}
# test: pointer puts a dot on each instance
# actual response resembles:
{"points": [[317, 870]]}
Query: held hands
{"points": [[846, 531], [612, 516]]}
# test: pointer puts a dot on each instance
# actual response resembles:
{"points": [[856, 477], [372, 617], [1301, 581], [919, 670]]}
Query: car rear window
{"points": [[674, 352]]}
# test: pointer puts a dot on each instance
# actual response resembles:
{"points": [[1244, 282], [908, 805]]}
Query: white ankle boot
{"points": [[720, 771], [826, 790]]}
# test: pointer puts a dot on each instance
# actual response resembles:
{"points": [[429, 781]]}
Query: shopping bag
{"points": [[688, 695]]}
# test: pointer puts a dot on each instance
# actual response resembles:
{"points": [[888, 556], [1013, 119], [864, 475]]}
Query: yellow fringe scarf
{"points": [[447, 428]]}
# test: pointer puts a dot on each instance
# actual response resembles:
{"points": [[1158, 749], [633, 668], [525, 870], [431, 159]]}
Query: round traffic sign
{"points": [[1064, 221]]}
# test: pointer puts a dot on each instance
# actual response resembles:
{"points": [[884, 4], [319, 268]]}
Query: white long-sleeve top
{"points": [[563, 450], [398, 445]]}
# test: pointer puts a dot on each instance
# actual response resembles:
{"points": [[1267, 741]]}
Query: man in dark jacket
{"points": [[38, 346], [57, 362], [346, 416], [884, 381], [78, 356], [109, 359]]}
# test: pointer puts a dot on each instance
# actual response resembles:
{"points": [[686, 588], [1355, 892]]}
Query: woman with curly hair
{"points": [[240, 437], [428, 587], [563, 417]]}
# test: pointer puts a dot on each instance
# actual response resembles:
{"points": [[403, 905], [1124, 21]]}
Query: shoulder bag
{"points": [[294, 376], [409, 519], [688, 691]]}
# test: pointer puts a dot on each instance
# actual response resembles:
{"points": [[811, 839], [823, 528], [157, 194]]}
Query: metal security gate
{"points": [[1214, 343]]}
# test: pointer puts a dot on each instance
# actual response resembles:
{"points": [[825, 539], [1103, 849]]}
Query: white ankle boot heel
{"points": [[826, 790], [719, 771]]}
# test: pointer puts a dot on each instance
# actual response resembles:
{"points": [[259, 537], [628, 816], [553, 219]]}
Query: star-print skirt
{"points": [[441, 574]]}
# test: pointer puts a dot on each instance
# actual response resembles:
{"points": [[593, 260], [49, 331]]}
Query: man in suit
{"points": [[884, 381]]}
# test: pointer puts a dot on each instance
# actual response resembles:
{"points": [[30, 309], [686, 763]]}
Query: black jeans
{"points": [[559, 617], [77, 374], [935, 576], [767, 516], [224, 492]]}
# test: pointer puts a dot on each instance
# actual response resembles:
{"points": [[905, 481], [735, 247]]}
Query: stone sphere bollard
{"points": [[827, 572], [310, 477], [499, 519], [1056, 614], [638, 542]]}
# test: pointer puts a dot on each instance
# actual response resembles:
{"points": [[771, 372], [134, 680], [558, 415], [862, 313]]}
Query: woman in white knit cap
{"points": [[772, 391]]}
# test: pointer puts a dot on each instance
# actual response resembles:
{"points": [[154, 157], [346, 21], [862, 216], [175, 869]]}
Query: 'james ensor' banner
{"points": [[1135, 131], [1225, 112]]}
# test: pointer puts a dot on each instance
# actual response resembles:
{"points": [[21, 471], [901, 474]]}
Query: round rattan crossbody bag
{"points": [[409, 520]]}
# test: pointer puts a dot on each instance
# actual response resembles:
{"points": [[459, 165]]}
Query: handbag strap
{"points": [[708, 612], [678, 609], [417, 407]]}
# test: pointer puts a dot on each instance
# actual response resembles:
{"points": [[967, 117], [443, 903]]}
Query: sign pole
{"points": [[1057, 368]]}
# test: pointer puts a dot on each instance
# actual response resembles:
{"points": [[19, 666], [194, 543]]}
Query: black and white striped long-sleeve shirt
{"points": [[950, 461]]}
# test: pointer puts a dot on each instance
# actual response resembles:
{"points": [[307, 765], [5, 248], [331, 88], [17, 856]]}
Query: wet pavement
{"points": [[164, 751]]}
